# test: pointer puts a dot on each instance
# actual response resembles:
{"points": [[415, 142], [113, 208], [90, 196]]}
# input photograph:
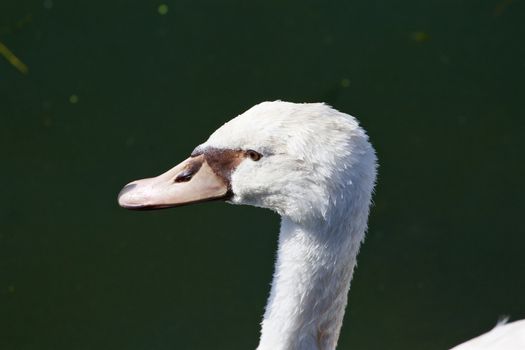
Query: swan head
{"points": [[296, 159]]}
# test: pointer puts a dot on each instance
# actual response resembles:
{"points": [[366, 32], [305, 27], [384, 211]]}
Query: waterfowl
{"points": [[316, 168]]}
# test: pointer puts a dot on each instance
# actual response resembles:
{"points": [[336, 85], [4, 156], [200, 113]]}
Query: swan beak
{"points": [[191, 181]]}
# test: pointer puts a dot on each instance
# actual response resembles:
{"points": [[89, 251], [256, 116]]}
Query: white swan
{"points": [[509, 336], [315, 167]]}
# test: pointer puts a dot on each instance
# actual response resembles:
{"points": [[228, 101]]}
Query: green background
{"points": [[118, 91]]}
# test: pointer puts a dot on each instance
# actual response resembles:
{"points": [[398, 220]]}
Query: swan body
{"points": [[509, 336], [316, 168]]}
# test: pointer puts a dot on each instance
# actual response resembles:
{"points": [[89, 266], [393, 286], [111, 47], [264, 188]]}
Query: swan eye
{"points": [[255, 156]]}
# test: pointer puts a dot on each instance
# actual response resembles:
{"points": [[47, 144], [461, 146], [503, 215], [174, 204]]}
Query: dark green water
{"points": [[116, 91]]}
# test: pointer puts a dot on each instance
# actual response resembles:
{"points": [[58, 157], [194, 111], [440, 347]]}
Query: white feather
{"points": [[510, 336], [318, 172]]}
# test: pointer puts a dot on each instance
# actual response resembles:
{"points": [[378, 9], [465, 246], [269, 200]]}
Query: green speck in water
{"points": [[419, 37], [162, 9], [47, 122], [345, 82], [73, 99], [11, 58], [11, 289]]}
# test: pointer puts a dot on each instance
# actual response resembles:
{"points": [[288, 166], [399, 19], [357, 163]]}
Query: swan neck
{"points": [[313, 270]]}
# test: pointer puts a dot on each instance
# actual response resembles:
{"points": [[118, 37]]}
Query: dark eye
{"points": [[255, 156]]}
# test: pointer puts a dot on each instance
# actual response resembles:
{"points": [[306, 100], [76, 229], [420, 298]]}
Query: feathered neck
{"points": [[314, 267]]}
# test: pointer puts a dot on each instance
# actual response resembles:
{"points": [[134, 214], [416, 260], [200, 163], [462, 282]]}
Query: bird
{"points": [[317, 169], [505, 336]]}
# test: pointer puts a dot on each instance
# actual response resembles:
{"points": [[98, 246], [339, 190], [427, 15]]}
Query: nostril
{"points": [[191, 169], [126, 189], [185, 176]]}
